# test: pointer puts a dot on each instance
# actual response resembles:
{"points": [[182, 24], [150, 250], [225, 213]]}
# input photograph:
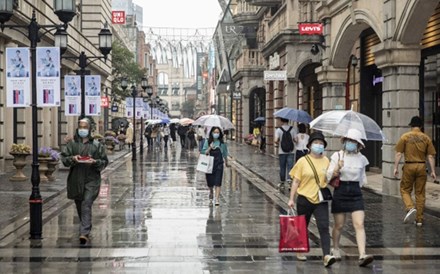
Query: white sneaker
{"points": [[280, 185], [409, 214], [336, 253], [301, 257], [329, 260]]}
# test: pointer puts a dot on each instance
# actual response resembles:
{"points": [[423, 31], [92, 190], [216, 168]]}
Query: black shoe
{"points": [[83, 239]]}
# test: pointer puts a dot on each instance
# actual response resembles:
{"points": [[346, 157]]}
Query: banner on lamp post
{"points": [[48, 77], [104, 102], [18, 90], [93, 95], [72, 98]]}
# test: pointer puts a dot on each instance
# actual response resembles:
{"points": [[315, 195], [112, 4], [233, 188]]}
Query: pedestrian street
{"points": [[153, 216]]}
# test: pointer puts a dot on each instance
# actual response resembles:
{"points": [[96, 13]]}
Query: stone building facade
{"points": [[376, 57]]}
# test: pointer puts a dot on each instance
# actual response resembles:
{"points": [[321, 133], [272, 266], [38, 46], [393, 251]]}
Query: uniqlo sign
{"points": [[118, 17], [104, 102], [310, 28]]}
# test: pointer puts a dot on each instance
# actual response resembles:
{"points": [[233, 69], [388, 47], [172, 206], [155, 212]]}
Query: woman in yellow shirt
{"points": [[304, 184]]}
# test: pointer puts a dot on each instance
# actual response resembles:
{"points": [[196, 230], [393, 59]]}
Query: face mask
{"points": [[350, 146], [215, 135], [317, 148], [83, 133]]}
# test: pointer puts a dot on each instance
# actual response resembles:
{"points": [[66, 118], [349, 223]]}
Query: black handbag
{"points": [[324, 193]]}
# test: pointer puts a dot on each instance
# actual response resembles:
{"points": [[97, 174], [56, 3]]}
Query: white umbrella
{"points": [[213, 120], [174, 121], [338, 122]]}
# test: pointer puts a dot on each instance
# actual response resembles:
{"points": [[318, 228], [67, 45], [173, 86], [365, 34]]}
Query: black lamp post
{"points": [[133, 145], [150, 95], [105, 46], [144, 85], [65, 10]]}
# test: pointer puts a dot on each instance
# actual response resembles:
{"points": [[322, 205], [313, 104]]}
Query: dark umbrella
{"points": [[119, 122]]}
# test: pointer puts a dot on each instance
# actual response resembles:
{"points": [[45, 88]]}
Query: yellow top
{"points": [[304, 173]]}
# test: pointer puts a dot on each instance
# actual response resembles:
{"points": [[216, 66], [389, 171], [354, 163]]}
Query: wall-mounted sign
{"points": [[115, 108], [274, 61], [118, 17], [275, 75], [236, 95], [310, 28], [104, 102], [377, 80]]}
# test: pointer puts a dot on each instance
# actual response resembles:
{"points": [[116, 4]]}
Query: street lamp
{"points": [[133, 145], [354, 63], [144, 85], [150, 95], [105, 46], [65, 9]]}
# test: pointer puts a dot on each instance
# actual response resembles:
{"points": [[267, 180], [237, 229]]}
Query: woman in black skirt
{"points": [[218, 149], [349, 164]]}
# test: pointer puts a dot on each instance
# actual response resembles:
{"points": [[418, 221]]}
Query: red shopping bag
{"points": [[293, 234]]}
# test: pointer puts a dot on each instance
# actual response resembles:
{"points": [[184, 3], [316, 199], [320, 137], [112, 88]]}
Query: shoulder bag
{"points": [[324, 194]]}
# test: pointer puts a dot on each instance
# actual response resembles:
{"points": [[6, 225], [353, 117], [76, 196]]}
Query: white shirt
{"points": [[353, 169], [201, 132], [303, 140], [279, 135]]}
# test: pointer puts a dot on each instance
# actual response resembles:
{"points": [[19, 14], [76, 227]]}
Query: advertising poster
{"points": [[93, 95], [18, 89], [48, 77], [139, 107], [129, 107], [146, 110], [72, 98]]}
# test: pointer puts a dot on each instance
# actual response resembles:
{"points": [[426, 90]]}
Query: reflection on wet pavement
{"points": [[154, 216]]}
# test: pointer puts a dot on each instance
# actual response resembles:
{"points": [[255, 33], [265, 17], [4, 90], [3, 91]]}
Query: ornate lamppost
{"points": [[144, 85], [133, 145], [65, 10]]}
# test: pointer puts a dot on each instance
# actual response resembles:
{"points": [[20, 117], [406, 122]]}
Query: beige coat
{"points": [[129, 135]]}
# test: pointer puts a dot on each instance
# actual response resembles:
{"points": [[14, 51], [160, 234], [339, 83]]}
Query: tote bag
{"points": [[293, 234], [205, 163]]}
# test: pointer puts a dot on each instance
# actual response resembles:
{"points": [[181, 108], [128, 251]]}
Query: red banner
{"points": [[310, 28], [104, 102], [118, 17]]}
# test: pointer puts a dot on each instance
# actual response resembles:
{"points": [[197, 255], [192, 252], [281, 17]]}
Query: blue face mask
{"points": [[215, 135], [83, 132], [317, 148], [350, 146]]}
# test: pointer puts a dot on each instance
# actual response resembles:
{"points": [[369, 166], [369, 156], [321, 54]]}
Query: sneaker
{"points": [[217, 203], [419, 224], [409, 214], [329, 260], [301, 257], [281, 185], [336, 253], [365, 260], [83, 239]]}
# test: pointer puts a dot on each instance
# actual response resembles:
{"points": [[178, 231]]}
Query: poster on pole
{"points": [[129, 107], [48, 77], [145, 110], [72, 98], [18, 90], [93, 95], [139, 107]]}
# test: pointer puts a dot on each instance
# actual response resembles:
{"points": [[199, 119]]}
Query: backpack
{"points": [[286, 140]]}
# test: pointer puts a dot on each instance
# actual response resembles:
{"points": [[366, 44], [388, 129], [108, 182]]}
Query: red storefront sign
{"points": [[310, 28], [104, 102], [118, 17]]}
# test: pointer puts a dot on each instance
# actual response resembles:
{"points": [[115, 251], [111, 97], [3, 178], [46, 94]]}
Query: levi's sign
{"points": [[275, 75], [310, 28]]}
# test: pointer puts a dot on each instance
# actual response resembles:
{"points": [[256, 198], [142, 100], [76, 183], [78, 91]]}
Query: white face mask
{"points": [[317, 148], [83, 132]]}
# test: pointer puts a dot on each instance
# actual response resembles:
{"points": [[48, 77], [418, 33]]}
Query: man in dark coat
{"points": [[86, 159]]}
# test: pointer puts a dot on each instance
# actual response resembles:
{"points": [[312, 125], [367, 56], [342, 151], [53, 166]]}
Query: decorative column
{"points": [[333, 85], [400, 101]]}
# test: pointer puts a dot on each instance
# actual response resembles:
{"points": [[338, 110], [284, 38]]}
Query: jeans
{"points": [[304, 207], [286, 164]]}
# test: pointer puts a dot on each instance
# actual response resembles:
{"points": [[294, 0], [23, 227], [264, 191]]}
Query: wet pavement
{"points": [[153, 216]]}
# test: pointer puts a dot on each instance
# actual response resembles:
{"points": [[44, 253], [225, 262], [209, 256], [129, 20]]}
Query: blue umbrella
{"points": [[165, 120], [292, 114], [260, 119]]}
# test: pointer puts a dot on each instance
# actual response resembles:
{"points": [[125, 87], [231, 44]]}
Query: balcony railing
{"points": [[250, 58], [276, 25]]}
